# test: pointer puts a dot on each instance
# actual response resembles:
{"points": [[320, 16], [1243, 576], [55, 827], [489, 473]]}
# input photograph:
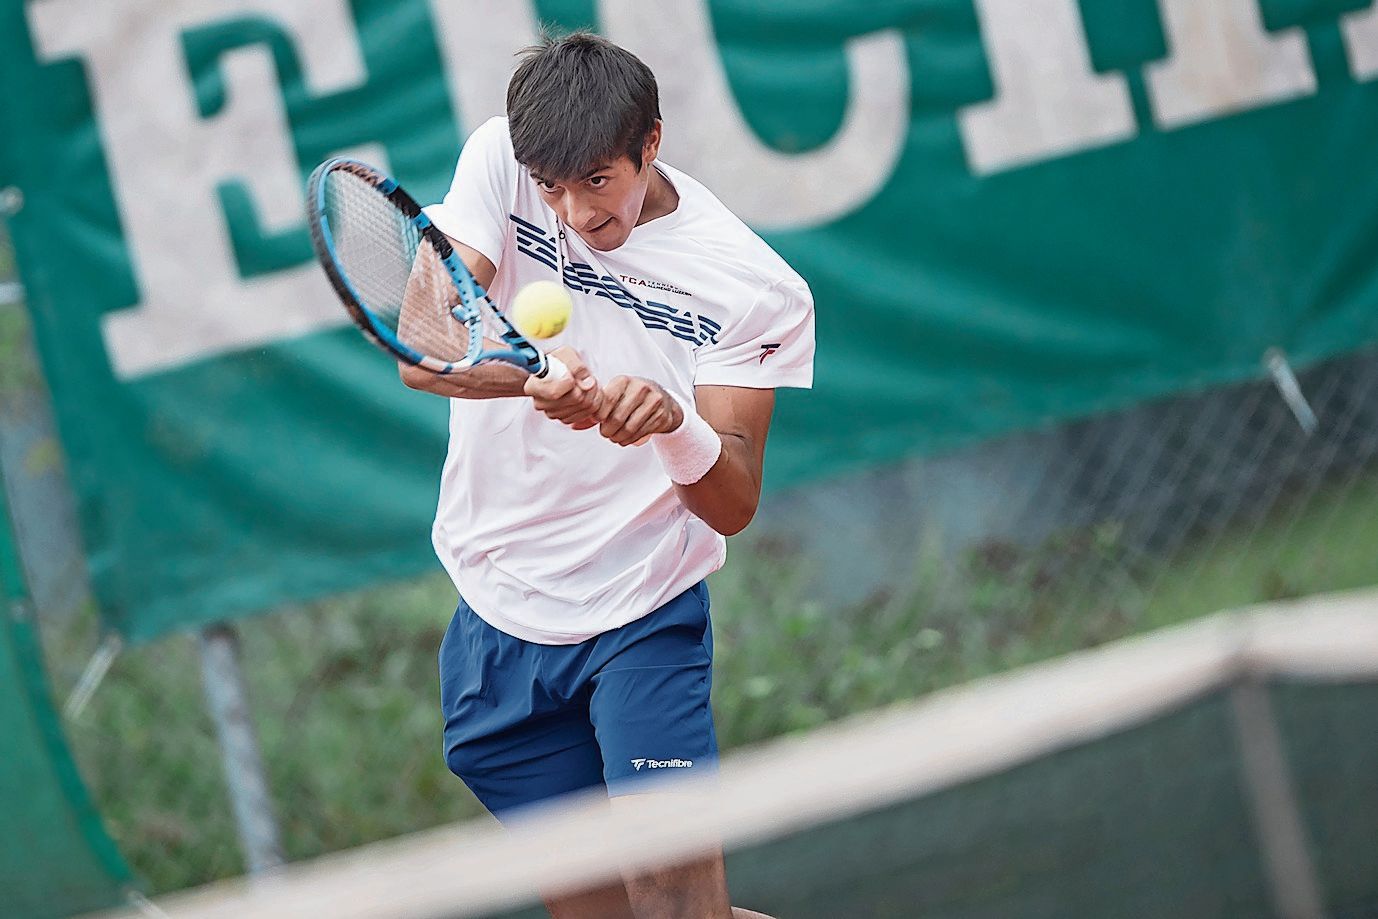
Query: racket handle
{"points": [[555, 369]]}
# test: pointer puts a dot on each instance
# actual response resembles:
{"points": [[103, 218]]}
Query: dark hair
{"points": [[578, 101]]}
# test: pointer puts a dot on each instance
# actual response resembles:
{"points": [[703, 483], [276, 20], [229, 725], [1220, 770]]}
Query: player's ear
{"points": [[651, 146]]}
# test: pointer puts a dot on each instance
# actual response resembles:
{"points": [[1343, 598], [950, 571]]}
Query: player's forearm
{"points": [[493, 380], [727, 496]]}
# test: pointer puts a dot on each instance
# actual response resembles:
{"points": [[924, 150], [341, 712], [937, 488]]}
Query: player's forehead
{"points": [[600, 166]]}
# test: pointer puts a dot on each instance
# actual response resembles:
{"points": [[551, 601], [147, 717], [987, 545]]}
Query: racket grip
{"points": [[555, 369]]}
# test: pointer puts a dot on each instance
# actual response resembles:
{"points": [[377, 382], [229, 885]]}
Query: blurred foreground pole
{"points": [[229, 708], [1277, 817]]}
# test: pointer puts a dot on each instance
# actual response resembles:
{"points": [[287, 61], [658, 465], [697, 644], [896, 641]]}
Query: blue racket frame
{"points": [[472, 296]]}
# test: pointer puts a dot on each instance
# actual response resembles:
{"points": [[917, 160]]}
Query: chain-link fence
{"points": [[846, 595], [1225, 496]]}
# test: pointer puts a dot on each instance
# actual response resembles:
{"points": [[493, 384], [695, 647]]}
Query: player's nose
{"points": [[581, 216]]}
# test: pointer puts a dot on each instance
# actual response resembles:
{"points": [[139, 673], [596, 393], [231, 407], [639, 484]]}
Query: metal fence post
{"points": [[244, 777]]}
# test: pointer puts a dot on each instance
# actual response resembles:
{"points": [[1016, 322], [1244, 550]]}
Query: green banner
{"points": [[56, 859], [1011, 214]]}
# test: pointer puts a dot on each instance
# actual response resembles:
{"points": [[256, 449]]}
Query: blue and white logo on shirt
{"points": [[533, 242]]}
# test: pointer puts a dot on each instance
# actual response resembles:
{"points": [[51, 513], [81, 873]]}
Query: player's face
{"points": [[605, 204]]}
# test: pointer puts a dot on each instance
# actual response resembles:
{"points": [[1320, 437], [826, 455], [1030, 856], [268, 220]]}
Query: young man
{"points": [[580, 654]]}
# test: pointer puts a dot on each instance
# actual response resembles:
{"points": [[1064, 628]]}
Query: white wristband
{"points": [[690, 450]]}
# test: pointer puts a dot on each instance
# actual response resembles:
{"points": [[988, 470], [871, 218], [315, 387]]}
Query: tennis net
{"points": [[1227, 767]]}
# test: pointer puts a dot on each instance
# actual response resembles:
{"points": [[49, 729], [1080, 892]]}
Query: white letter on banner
{"points": [[1048, 101], [1223, 60], [165, 162], [706, 133], [479, 40], [1361, 42]]}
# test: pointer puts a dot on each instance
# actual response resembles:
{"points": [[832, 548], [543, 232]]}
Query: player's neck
{"points": [[661, 197]]}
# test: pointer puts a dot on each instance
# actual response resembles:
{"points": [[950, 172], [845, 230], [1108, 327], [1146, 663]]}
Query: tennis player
{"points": [[580, 535]]}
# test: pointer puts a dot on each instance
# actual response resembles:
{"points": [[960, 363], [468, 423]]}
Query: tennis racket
{"points": [[400, 279]]}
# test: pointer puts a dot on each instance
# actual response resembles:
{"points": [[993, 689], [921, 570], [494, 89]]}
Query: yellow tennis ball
{"points": [[541, 309]]}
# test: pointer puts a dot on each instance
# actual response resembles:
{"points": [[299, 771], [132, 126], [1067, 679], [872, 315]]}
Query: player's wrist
{"points": [[689, 451]]}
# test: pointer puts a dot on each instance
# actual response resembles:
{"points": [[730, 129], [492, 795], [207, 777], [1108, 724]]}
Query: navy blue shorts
{"points": [[525, 722]]}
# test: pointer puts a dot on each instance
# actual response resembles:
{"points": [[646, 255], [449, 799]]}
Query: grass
{"points": [[345, 691]]}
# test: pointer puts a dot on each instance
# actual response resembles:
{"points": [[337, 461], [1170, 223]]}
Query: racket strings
{"points": [[396, 274]]}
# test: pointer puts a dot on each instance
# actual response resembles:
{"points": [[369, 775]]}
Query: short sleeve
{"points": [[476, 207], [771, 346]]}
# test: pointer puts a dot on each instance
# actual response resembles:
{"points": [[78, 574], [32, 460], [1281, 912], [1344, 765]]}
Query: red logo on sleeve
{"points": [[768, 350]]}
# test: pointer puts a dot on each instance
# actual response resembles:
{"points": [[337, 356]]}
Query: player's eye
{"points": [[599, 181], [545, 186]]}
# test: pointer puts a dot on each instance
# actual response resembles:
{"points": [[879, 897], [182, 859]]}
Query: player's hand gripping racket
{"points": [[401, 280]]}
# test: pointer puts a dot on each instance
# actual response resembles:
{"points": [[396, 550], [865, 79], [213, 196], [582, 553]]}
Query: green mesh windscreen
{"points": [[1331, 737]]}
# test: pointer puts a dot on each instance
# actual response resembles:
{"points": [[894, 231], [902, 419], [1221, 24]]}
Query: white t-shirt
{"points": [[555, 535]]}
